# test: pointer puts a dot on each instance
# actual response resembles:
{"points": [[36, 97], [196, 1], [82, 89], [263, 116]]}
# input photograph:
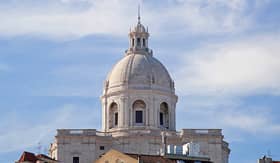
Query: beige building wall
{"points": [[114, 156], [125, 100], [86, 144]]}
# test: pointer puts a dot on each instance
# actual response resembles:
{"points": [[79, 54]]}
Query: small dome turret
{"points": [[138, 39]]}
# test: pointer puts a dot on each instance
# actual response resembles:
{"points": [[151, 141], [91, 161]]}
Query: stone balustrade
{"points": [[78, 132], [214, 132], [81, 132]]}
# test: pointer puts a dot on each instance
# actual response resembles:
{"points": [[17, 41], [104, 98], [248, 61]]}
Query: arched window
{"points": [[116, 119], [138, 42], [164, 115], [133, 42], [139, 107], [113, 115]]}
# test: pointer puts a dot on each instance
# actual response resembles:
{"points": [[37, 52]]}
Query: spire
{"points": [[139, 14]]}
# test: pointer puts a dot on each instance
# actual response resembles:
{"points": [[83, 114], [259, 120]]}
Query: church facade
{"points": [[138, 111]]}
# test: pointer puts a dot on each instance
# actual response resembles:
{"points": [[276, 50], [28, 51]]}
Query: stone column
{"points": [[121, 112], [147, 119], [173, 117], [152, 112], [157, 110], [104, 114], [126, 112], [130, 114], [107, 116]]}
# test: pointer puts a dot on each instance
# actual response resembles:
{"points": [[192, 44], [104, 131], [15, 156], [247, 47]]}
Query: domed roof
{"points": [[139, 28], [140, 71]]}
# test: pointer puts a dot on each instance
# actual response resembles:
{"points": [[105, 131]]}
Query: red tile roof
{"points": [[44, 156], [31, 157], [27, 156]]}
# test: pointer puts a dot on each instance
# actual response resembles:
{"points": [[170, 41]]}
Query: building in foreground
{"points": [[138, 110], [28, 157], [265, 159], [114, 156]]}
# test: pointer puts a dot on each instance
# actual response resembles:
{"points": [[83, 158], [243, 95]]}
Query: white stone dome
{"points": [[140, 71], [138, 93]]}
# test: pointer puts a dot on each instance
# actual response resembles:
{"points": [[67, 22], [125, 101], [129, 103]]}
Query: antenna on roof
{"points": [[39, 147], [269, 153]]}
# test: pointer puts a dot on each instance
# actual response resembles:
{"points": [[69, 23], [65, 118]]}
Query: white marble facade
{"points": [[138, 82], [138, 106]]}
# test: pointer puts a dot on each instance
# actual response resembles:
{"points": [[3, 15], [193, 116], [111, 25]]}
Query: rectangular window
{"points": [[144, 42], [139, 116], [161, 118], [116, 119], [101, 148], [76, 160]]}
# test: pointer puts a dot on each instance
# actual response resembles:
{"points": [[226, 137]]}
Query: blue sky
{"points": [[223, 55]]}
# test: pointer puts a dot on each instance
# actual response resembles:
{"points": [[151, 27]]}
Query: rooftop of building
{"points": [[33, 158]]}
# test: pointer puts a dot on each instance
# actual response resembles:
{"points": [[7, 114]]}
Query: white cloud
{"points": [[210, 17], [20, 133], [241, 67], [79, 18], [253, 120], [234, 115], [254, 123], [59, 19]]}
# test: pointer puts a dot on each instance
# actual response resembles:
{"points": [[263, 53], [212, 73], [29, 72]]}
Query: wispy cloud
{"points": [[257, 123], [78, 18], [232, 114], [44, 129], [245, 66], [215, 80]]}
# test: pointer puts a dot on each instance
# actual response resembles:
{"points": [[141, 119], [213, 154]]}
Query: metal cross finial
{"points": [[139, 13]]}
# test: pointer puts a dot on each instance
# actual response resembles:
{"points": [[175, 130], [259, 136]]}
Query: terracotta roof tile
{"points": [[44, 156], [27, 156], [31, 157]]}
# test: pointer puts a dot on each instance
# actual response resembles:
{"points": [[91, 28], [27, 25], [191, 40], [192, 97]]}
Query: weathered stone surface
{"points": [[138, 106]]}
